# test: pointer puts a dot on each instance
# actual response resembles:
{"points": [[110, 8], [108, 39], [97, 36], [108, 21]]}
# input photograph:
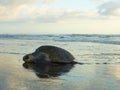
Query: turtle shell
{"points": [[55, 54]]}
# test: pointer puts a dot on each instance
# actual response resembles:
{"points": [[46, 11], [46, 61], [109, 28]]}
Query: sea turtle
{"points": [[50, 54]]}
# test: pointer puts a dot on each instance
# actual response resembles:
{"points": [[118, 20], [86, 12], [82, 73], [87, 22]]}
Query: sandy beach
{"points": [[100, 71]]}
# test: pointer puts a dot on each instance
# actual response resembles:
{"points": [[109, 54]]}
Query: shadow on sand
{"points": [[48, 71]]}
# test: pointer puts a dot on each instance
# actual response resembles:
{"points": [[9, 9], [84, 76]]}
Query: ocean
{"points": [[100, 55]]}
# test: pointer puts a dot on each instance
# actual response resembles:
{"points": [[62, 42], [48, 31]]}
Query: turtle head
{"points": [[36, 57], [29, 58]]}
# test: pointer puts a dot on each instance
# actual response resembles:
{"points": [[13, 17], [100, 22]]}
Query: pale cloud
{"points": [[71, 16], [49, 1], [40, 15], [14, 2], [19, 2], [23, 11], [11, 10], [75, 16], [8, 13], [100, 1], [110, 9], [44, 14]]}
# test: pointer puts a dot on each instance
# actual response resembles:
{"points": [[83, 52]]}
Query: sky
{"points": [[59, 16]]}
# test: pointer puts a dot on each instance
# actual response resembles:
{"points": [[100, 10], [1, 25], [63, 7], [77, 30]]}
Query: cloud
{"points": [[20, 2], [100, 1], [14, 2], [49, 1], [44, 14], [10, 9], [26, 11], [8, 13], [22, 11], [55, 16], [109, 9]]}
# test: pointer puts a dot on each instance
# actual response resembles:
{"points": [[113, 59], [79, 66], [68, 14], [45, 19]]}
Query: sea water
{"points": [[100, 55]]}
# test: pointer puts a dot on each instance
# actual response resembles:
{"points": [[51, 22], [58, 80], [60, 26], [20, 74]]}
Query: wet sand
{"points": [[13, 76]]}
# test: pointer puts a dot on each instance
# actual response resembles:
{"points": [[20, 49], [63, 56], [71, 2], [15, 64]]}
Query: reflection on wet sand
{"points": [[48, 71], [115, 71]]}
